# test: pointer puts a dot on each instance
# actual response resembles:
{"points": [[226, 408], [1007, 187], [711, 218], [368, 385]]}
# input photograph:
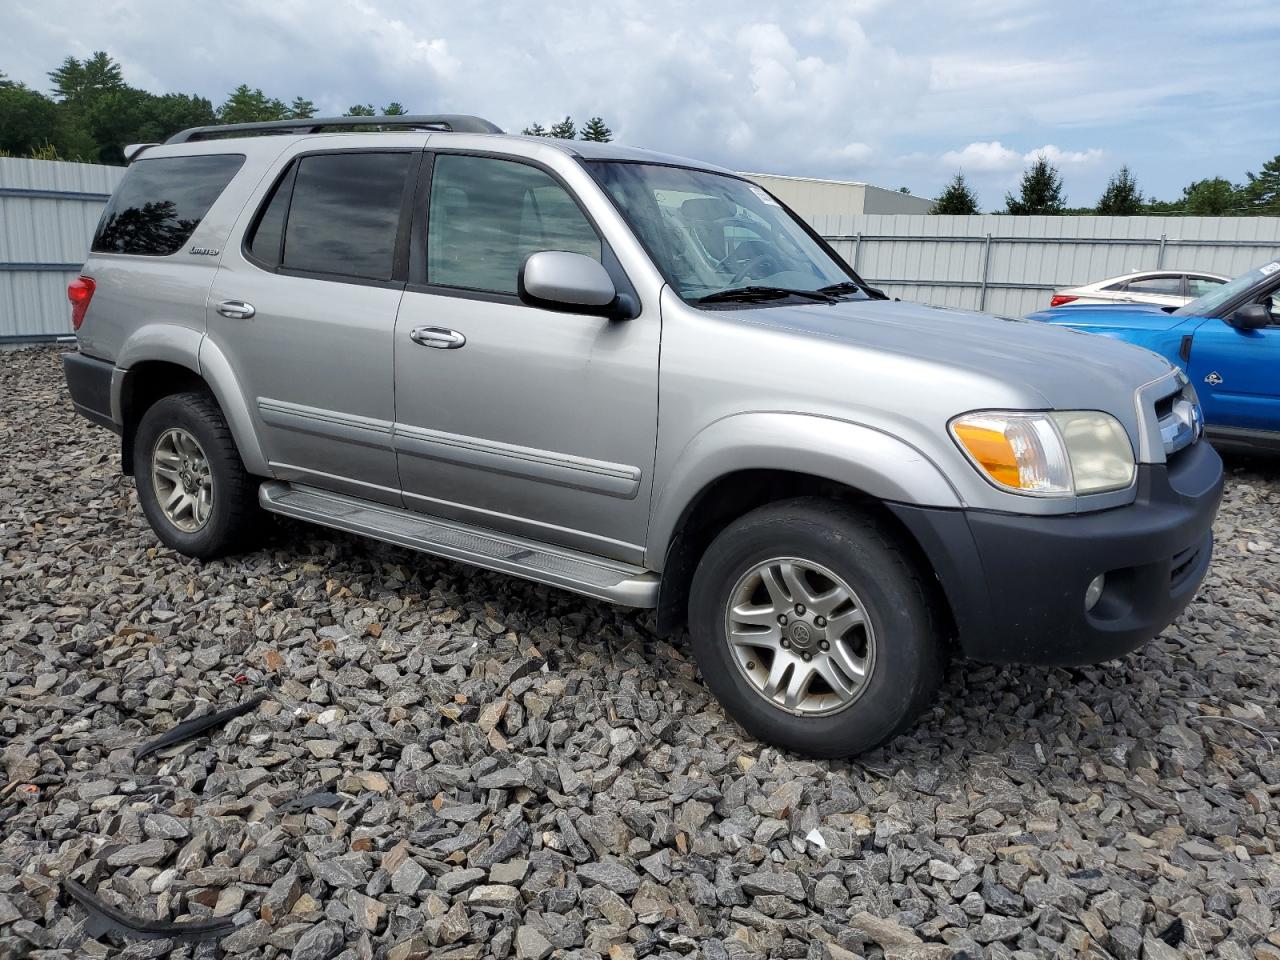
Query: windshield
{"points": [[1212, 303], [711, 235]]}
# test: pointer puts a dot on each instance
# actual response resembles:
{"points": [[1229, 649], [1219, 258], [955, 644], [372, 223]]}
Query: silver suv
{"points": [[640, 378]]}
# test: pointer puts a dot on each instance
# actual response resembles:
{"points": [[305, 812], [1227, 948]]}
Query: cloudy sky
{"points": [[894, 93]]}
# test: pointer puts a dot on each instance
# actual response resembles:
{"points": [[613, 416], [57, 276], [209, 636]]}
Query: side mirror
{"points": [[1252, 316], [566, 281]]}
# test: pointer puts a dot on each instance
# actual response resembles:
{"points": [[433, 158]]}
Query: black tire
{"points": [[864, 552], [235, 516]]}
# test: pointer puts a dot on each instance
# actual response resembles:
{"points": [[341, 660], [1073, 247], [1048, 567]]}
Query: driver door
{"points": [[1237, 372], [517, 418]]}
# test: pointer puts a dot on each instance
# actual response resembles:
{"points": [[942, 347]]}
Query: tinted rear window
{"points": [[160, 202], [268, 234], [344, 214]]}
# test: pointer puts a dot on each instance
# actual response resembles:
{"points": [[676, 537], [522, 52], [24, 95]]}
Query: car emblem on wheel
{"points": [[1213, 379]]}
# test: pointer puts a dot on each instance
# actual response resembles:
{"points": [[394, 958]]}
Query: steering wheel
{"points": [[745, 271]]}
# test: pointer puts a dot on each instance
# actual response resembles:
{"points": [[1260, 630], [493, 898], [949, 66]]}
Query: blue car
{"points": [[1227, 342]]}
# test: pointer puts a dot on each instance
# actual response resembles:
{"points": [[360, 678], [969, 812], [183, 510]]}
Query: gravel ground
{"points": [[514, 771]]}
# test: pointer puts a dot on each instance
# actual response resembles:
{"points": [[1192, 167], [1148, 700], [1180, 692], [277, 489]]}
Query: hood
{"points": [[1128, 317], [1063, 368]]}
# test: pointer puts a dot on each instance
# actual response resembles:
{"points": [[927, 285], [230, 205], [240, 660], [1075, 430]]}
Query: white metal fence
{"points": [[1009, 265], [48, 210], [1005, 265]]}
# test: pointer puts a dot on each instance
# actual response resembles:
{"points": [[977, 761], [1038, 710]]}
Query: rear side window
{"points": [[268, 236], [1166, 286], [161, 201], [343, 216]]}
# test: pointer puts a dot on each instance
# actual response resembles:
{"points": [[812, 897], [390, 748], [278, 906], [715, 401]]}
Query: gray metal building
{"points": [[813, 198]]}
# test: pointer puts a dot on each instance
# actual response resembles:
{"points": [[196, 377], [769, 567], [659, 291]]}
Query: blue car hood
{"points": [[1129, 317]]}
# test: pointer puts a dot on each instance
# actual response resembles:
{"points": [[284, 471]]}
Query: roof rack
{"points": [[449, 122]]}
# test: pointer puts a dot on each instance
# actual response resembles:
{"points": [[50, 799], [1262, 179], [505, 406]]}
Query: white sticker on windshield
{"points": [[764, 196], [1269, 268]]}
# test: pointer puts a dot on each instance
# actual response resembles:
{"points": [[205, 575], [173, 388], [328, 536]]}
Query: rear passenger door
{"points": [[519, 418], [305, 311]]}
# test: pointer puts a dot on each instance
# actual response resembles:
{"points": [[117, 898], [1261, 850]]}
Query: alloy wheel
{"points": [[182, 480], [800, 636]]}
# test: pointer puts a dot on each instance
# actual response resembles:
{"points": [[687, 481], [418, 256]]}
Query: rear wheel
{"points": [[814, 629], [192, 485]]}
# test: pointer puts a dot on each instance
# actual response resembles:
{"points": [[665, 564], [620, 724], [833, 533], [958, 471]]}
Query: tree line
{"points": [[1040, 192], [594, 129], [90, 113]]}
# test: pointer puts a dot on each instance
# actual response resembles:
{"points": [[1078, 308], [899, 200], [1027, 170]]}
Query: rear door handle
{"points": [[438, 337], [236, 309]]}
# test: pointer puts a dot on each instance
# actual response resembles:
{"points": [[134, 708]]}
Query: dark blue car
{"points": [[1227, 341]]}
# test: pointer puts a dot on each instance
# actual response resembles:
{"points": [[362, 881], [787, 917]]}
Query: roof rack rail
{"points": [[449, 122]]}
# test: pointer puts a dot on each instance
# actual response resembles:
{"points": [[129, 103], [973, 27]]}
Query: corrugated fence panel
{"points": [[48, 210], [1011, 265]]}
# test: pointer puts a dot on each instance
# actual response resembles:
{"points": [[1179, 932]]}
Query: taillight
{"points": [[1059, 300], [80, 292]]}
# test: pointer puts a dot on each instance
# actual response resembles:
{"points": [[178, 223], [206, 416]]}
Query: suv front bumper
{"points": [[1016, 583]]}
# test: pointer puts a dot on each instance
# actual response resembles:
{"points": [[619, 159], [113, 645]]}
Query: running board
{"points": [[560, 567]]}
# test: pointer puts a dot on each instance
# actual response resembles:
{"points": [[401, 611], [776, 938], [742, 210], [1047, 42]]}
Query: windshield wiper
{"points": [[757, 293], [844, 286], [848, 286]]}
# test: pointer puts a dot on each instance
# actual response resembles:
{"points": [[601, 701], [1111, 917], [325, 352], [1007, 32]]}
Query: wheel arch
{"points": [[162, 359], [766, 458]]}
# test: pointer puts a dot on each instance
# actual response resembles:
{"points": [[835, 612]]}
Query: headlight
{"points": [[1047, 454]]}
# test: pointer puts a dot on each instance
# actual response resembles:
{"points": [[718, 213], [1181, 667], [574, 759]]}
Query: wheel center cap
{"points": [[801, 636]]}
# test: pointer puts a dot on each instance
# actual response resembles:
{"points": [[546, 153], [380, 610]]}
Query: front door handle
{"points": [[438, 337], [236, 309]]}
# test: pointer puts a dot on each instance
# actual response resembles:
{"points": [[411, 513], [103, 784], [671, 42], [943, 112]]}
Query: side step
{"points": [[560, 567]]}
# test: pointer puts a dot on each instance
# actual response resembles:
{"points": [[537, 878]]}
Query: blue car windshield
{"points": [[1212, 302], [713, 235]]}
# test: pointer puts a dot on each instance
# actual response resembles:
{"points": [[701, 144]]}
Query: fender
{"points": [[185, 347], [862, 457]]}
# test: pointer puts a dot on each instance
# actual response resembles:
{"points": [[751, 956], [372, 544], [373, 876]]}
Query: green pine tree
{"points": [[1040, 191], [564, 130], [301, 109], [1121, 198], [361, 110], [958, 199], [596, 130], [534, 130], [1212, 197], [394, 109], [251, 106], [1261, 195], [77, 80]]}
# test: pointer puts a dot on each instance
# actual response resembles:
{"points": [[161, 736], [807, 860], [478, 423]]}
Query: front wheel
{"points": [[813, 628]]}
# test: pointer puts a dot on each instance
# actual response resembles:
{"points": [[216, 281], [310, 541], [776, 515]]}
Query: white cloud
{"points": [[983, 156], [996, 157], [1070, 158]]}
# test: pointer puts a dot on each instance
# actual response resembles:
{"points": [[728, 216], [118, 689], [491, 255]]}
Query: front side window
{"points": [[343, 215], [1199, 286], [161, 201], [720, 237], [1216, 300], [485, 216]]}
